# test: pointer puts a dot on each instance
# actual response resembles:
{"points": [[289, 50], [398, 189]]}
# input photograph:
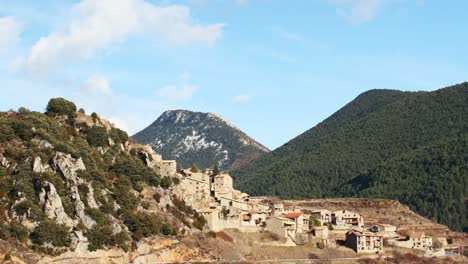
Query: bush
{"points": [[51, 232], [61, 106], [100, 236], [26, 206], [166, 182], [7, 256], [118, 135], [18, 231], [157, 197], [167, 230], [97, 136], [98, 216], [195, 168]]}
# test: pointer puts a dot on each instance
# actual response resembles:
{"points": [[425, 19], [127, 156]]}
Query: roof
{"points": [[360, 233], [321, 211], [416, 234], [223, 175], [293, 215]]}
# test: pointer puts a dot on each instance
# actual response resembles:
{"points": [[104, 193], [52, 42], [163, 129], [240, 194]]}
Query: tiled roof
{"points": [[416, 235], [293, 215]]}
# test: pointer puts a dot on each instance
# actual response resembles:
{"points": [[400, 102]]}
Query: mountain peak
{"points": [[203, 138]]}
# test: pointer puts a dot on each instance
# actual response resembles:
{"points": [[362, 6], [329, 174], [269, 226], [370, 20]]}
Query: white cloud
{"points": [[98, 85], [10, 31], [358, 11], [242, 98], [174, 93], [183, 91], [97, 25]]}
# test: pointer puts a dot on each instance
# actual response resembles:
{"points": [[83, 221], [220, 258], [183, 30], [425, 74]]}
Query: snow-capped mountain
{"points": [[202, 138]]}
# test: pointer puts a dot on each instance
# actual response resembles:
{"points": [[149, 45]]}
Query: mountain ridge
{"points": [[373, 128], [206, 139]]}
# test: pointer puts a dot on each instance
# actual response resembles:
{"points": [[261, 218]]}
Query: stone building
{"points": [[364, 242], [324, 216], [347, 219]]}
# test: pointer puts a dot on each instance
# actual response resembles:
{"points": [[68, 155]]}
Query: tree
{"points": [[195, 168], [50, 232], [97, 136], [216, 170], [61, 106]]}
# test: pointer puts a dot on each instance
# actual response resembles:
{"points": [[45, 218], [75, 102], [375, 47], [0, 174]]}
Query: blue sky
{"points": [[272, 68]]}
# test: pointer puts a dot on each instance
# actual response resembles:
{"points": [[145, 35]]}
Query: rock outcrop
{"points": [[39, 167], [68, 166], [80, 207], [52, 205]]}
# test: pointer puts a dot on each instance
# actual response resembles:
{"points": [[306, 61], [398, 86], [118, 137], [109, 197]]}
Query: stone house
{"points": [[324, 216], [277, 208], [301, 222], [222, 186], [386, 229], [364, 242], [345, 218], [419, 240]]}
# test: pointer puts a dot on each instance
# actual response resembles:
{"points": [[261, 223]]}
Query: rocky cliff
{"points": [[73, 183]]}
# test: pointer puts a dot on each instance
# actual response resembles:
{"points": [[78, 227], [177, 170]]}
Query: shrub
{"points": [[18, 231], [61, 106], [157, 197], [166, 182], [175, 180], [100, 236], [167, 230], [28, 206], [97, 136], [50, 232], [118, 135], [7, 256], [195, 168], [98, 216], [142, 224]]}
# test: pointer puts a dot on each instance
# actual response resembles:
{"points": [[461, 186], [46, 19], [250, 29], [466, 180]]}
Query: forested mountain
{"points": [[409, 146], [69, 180], [202, 138]]}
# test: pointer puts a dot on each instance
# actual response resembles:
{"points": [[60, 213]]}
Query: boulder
{"points": [[44, 144], [68, 166], [39, 167], [51, 203]]}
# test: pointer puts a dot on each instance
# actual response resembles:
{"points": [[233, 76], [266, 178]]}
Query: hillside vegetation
{"points": [[410, 146], [68, 178]]}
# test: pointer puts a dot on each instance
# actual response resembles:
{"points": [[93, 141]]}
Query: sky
{"points": [[273, 68]]}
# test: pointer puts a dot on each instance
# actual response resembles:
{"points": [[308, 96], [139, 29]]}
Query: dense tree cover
{"points": [[432, 180], [201, 138], [50, 232], [61, 106], [116, 176], [345, 154]]}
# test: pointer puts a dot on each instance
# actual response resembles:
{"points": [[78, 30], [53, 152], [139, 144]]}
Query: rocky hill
{"points": [[69, 181], [202, 138], [407, 146]]}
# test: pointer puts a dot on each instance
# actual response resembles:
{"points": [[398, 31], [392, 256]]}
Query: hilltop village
{"points": [[213, 196]]}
